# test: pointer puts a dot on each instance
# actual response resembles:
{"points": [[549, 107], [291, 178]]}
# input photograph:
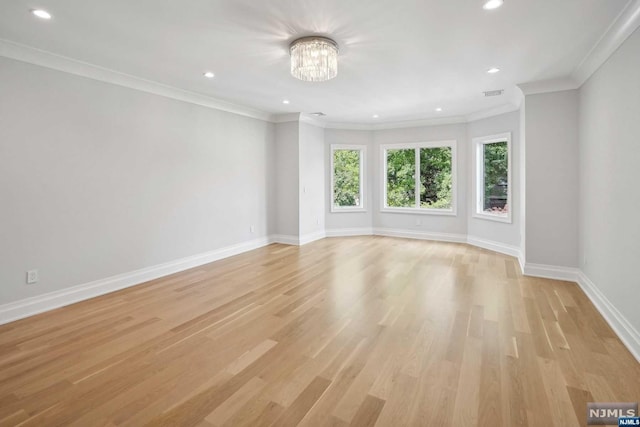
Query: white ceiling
{"points": [[399, 59]]}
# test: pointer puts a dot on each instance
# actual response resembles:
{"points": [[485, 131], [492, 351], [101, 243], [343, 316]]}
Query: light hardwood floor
{"points": [[360, 331]]}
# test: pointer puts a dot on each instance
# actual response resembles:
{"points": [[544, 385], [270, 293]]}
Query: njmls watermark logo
{"points": [[612, 413]]}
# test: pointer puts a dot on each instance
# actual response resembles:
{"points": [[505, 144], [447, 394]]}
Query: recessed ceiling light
{"points": [[285, 101], [41, 13], [438, 109], [493, 70], [492, 4], [209, 75], [375, 116]]}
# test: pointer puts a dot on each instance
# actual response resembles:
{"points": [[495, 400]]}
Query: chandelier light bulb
{"points": [[314, 59]]}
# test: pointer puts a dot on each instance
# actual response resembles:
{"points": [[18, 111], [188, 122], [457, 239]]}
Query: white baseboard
{"points": [[551, 272], [41, 303], [411, 234], [285, 239], [521, 261], [629, 336], [312, 237], [349, 232], [491, 245]]}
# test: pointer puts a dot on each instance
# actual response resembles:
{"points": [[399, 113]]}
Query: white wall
{"points": [[336, 221], [98, 179], [610, 177], [287, 179], [522, 188], [552, 178], [312, 182], [508, 234], [429, 223]]}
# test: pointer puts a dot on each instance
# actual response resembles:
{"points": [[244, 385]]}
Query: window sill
{"points": [[348, 210], [495, 218], [444, 212]]}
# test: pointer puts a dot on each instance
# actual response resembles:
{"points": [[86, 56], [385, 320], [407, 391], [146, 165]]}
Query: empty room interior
{"points": [[319, 213]]}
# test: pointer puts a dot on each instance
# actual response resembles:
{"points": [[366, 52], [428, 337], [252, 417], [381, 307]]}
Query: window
{"points": [[419, 177], [347, 178], [493, 177]]}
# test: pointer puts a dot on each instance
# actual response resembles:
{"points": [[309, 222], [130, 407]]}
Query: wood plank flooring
{"points": [[347, 331]]}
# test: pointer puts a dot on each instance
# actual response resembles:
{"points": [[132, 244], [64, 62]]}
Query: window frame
{"points": [[416, 146], [363, 154], [478, 177]]}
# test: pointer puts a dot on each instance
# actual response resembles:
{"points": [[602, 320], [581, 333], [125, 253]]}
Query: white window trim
{"points": [[478, 177], [363, 163], [416, 210]]}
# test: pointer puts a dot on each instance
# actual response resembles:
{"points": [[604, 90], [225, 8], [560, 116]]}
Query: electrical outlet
{"points": [[318, 221], [252, 229], [32, 276]]}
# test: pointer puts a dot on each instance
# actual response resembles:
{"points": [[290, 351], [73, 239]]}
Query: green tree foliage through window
{"points": [[346, 178], [496, 181], [401, 178], [435, 177]]}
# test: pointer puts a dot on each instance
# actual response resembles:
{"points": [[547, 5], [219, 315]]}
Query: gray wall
{"points": [[429, 223], [99, 179], [521, 162], [483, 228], [287, 178], [463, 223], [312, 172], [350, 220], [610, 178], [552, 178]]}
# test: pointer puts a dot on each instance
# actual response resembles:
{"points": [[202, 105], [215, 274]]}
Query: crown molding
{"points": [[437, 121], [312, 120], [348, 126], [298, 117], [23, 53], [397, 125], [485, 114], [546, 86], [622, 27], [31, 55], [285, 118], [478, 115]]}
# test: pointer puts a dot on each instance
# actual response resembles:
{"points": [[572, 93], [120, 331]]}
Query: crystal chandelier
{"points": [[314, 59]]}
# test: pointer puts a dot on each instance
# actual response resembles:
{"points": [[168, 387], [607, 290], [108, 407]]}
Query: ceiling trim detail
{"points": [[620, 29], [546, 86], [485, 114], [624, 25], [397, 125], [439, 121], [285, 118], [23, 53], [46, 59]]}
